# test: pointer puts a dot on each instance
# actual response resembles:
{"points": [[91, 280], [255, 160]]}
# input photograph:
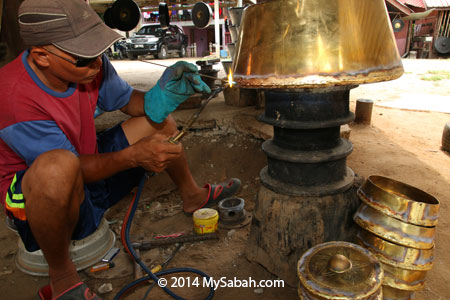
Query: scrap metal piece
{"points": [[145, 245]]}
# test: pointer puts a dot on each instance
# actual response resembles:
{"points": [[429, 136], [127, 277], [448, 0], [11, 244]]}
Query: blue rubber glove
{"points": [[176, 84]]}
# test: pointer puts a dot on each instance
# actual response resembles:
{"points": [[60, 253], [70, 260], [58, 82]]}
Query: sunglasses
{"points": [[79, 62]]}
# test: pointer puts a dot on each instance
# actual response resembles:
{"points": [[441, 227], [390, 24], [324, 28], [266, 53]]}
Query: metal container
{"points": [[315, 44], [84, 253], [205, 220], [231, 210], [394, 230], [400, 200], [402, 279], [339, 270], [396, 255], [390, 293]]}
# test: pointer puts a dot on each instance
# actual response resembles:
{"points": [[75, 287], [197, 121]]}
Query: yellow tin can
{"points": [[205, 220]]}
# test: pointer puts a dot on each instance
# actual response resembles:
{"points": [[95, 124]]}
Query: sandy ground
{"points": [[403, 142]]}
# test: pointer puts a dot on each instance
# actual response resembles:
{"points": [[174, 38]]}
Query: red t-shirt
{"points": [[35, 119]]}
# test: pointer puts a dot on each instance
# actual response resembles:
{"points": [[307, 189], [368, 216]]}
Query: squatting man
{"points": [[57, 176]]}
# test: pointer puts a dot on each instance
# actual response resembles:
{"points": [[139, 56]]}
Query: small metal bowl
{"points": [[231, 210], [389, 293], [400, 200], [393, 230], [402, 279], [396, 255]]}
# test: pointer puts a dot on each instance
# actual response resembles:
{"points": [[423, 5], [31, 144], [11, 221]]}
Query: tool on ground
{"points": [[146, 245], [110, 255], [177, 138], [101, 267]]}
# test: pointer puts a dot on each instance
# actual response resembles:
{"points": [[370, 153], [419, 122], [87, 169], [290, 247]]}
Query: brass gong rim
{"points": [[396, 255], [394, 230], [400, 200]]}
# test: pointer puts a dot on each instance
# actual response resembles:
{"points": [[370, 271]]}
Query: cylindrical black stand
{"points": [[308, 195], [307, 157]]}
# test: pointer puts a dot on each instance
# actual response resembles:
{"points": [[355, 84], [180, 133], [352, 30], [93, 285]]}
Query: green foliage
{"points": [[436, 75]]}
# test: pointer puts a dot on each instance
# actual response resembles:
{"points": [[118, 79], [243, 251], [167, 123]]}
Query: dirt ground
{"points": [[403, 142]]}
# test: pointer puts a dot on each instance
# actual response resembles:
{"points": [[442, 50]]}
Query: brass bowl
{"points": [[394, 230], [396, 255], [339, 270], [400, 200], [389, 293], [402, 279], [318, 43]]}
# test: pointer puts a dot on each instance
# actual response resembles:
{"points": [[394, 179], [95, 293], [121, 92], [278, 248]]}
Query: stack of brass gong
{"points": [[339, 270], [397, 225]]}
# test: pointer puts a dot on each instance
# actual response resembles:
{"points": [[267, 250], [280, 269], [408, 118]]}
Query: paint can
{"points": [[205, 220]]}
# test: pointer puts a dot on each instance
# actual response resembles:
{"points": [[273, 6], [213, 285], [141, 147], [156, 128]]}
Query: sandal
{"points": [[217, 192], [79, 291]]}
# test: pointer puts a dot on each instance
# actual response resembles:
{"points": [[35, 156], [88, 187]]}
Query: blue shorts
{"points": [[99, 196]]}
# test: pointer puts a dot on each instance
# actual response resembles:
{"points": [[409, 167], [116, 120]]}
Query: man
{"points": [[57, 177]]}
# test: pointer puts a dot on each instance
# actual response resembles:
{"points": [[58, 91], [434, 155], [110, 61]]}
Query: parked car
{"points": [[118, 50], [153, 40]]}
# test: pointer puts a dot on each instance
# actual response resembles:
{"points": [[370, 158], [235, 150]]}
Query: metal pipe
{"points": [[146, 245], [177, 138], [216, 27]]}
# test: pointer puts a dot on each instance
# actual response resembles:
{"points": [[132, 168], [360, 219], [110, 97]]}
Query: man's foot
{"points": [[79, 291], [216, 193]]}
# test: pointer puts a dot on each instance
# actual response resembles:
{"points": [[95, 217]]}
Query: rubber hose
{"points": [[129, 248]]}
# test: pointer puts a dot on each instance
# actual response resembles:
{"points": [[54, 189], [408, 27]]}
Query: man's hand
{"points": [[155, 153], [176, 84]]}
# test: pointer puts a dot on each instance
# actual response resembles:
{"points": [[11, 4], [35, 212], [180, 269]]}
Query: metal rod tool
{"points": [[177, 138], [146, 245], [202, 75]]}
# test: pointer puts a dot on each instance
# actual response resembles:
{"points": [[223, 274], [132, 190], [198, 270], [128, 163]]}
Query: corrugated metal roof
{"points": [[416, 3], [400, 6], [437, 3]]}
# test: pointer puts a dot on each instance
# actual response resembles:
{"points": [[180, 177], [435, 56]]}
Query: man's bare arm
{"points": [[135, 106], [151, 153]]}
